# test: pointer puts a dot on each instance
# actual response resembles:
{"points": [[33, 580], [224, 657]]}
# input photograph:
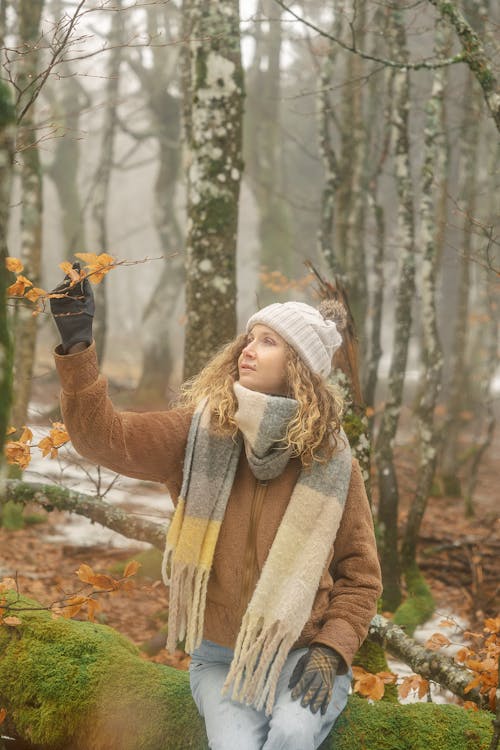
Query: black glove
{"points": [[74, 312], [313, 677]]}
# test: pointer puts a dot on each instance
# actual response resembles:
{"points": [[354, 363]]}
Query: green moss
{"points": [[70, 685], [75, 684], [355, 425], [419, 604], [420, 726], [372, 657]]}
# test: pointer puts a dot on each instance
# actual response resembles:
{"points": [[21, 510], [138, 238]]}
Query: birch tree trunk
{"points": [[331, 169], [7, 138], [214, 102], [353, 191], [431, 354], [102, 178], [384, 447], [25, 324]]}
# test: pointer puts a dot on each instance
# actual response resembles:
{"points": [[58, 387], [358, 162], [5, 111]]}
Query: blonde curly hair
{"points": [[311, 434]]}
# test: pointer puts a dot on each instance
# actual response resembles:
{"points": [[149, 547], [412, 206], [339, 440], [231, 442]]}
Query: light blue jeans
{"points": [[231, 725]]}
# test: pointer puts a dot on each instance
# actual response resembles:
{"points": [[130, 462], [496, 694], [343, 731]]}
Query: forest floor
{"points": [[458, 555]]}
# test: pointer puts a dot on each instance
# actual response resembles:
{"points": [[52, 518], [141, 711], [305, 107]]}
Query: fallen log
{"points": [[431, 665], [72, 685]]}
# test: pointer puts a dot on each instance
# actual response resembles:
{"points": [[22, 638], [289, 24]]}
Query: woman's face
{"points": [[262, 363]]}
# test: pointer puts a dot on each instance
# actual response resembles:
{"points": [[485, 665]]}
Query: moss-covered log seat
{"points": [[70, 685]]}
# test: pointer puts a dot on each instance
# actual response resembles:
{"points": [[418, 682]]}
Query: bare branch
{"points": [[422, 65]]}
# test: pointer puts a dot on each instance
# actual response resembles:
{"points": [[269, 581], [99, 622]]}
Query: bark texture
{"points": [[7, 136], [430, 346], [405, 286], [25, 325], [475, 57], [213, 110], [102, 178]]}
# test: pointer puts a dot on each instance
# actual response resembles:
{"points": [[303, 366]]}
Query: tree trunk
{"points": [[96, 692], [25, 324], [157, 356], [459, 385], [431, 354], [7, 136], [213, 135], [384, 455], [331, 169], [263, 147], [102, 179], [354, 180]]}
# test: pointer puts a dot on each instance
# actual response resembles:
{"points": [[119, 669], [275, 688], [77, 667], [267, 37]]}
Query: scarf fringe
{"points": [[260, 654], [186, 607]]}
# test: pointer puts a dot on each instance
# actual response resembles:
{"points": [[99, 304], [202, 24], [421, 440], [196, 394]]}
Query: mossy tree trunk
{"points": [[430, 345], [25, 324], [213, 118], [7, 137], [384, 447], [79, 685], [331, 168], [353, 191]]}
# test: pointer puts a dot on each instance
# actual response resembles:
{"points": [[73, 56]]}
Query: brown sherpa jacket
{"points": [[151, 446]]}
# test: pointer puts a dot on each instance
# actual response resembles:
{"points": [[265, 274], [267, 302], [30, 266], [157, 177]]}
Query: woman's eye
{"points": [[269, 341]]}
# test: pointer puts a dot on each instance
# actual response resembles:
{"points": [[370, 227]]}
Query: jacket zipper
{"points": [[250, 558]]}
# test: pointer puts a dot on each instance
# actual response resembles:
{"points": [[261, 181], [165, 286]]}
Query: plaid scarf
{"points": [[284, 595]]}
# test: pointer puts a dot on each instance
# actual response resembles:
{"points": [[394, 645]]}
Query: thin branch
{"points": [[59, 49], [423, 65]]}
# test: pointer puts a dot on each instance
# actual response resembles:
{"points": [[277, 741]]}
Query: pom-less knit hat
{"points": [[313, 337]]}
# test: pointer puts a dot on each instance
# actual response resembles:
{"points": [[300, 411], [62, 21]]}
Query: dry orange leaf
{"points": [[11, 431], [18, 453], [3, 714], [73, 274], [437, 641], [98, 580], [131, 568], [85, 573], [414, 682], [34, 294], [27, 435], [446, 623], [47, 446], [73, 606], [492, 625], [12, 621], [14, 265], [470, 706], [101, 581], [18, 288], [92, 608], [97, 265]]}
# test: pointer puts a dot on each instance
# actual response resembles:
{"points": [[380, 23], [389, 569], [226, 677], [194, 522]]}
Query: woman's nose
{"points": [[248, 350]]}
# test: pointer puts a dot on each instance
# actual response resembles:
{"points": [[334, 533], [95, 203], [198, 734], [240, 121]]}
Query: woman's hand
{"points": [[313, 677], [73, 313]]}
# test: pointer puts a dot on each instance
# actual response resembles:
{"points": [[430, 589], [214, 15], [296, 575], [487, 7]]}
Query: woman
{"points": [[273, 569]]}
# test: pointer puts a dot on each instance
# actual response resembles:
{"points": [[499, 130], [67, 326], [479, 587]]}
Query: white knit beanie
{"points": [[313, 337]]}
